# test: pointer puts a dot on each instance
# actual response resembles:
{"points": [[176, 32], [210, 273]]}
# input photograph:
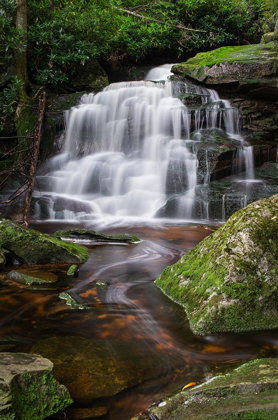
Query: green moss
{"points": [[73, 270], [242, 54], [38, 395]]}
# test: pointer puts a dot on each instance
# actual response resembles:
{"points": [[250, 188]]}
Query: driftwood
{"points": [[34, 160]]}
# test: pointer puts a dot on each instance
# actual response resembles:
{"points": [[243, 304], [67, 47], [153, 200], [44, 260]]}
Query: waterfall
{"points": [[129, 149]]}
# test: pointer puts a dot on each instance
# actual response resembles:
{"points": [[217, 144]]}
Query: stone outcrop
{"points": [[32, 247], [245, 69], [248, 392], [228, 282], [248, 76], [28, 388]]}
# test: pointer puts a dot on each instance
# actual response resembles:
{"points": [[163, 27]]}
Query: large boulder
{"points": [[28, 388], [248, 392], [229, 281], [33, 247]]}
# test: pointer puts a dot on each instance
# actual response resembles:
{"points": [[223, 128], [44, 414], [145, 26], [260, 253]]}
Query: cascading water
{"points": [[133, 147]]}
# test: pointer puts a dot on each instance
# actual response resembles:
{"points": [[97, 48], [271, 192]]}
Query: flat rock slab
{"points": [[28, 390], [248, 392]]}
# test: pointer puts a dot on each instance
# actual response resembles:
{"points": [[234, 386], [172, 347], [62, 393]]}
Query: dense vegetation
{"points": [[64, 34]]}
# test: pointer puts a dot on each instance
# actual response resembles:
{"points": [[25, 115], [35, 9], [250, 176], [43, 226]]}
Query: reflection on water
{"points": [[116, 286]]}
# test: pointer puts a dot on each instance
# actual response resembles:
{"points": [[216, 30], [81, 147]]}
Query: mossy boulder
{"points": [[248, 392], [34, 247], [229, 281], [239, 68], [28, 388]]}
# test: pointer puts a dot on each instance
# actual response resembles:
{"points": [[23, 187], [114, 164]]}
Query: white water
{"points": [[129, 148]]}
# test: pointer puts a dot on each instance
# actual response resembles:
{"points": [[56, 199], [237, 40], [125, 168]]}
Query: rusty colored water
{"points": [[128, 308]]}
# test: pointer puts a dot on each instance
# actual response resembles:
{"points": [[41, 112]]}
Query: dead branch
{"points": [[179, 26], [34, 160]]}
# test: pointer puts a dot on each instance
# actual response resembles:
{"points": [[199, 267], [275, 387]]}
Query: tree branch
{"points": [[179, 26]]}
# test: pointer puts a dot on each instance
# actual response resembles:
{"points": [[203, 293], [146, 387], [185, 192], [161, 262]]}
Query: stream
{"points": [[127, 308]]}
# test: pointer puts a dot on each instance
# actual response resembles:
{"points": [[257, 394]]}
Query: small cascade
{"points": [[131, 151]]}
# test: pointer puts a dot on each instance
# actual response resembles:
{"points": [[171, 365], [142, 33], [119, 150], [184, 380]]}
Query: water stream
{"points": [[128, 309]]}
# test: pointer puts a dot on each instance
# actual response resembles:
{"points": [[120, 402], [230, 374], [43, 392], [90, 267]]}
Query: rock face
{"points": [[28, 388], [249, 392], [33, 247], [228, 282]]}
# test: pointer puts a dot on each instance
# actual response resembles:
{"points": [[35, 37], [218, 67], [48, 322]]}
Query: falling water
{"points": [[130, 148]]}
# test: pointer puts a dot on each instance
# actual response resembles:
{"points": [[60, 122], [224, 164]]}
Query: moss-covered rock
{"points": [[239, 68], [228, 282], [73, 270], [249, 392], [34, 247], [31, 277], [28, 389]]}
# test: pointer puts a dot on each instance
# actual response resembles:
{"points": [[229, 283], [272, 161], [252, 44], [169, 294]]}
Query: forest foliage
{"points": [[65, 34]]}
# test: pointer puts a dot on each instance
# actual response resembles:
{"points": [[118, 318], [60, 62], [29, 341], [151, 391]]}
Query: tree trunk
{"points": [[20, 55], [34, 160]]}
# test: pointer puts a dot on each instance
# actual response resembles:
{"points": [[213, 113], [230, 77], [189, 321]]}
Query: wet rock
{"points": [[73, 270], [28, 388], [267, 37], [32, 277], [34, 247], [93, 369], [93, 236], [250, 391], [91, 77], [70, 301], [228, 282], [2, 258]]}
